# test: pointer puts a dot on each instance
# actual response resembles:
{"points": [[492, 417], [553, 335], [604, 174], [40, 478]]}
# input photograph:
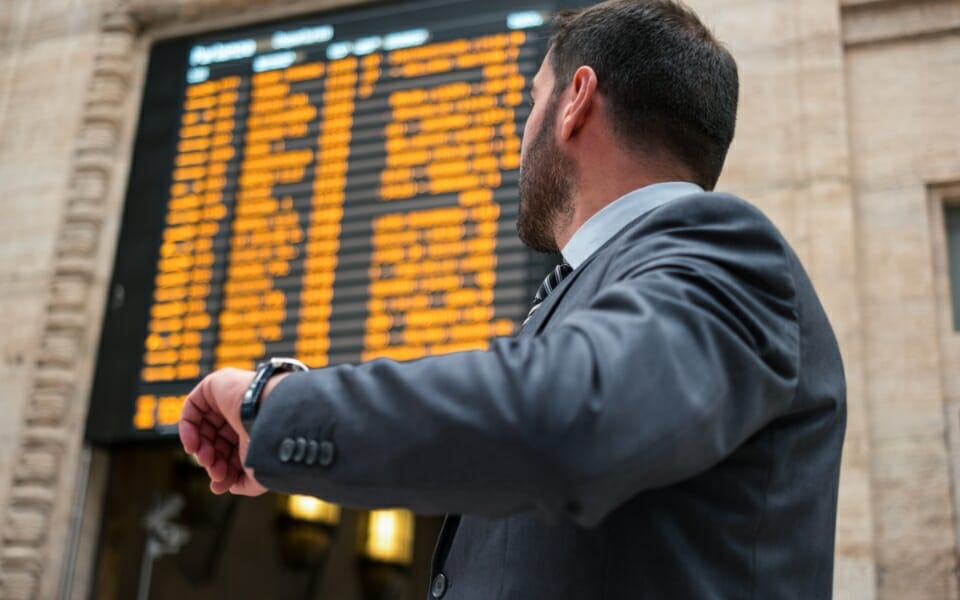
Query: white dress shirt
{"points": [[610, 219]]}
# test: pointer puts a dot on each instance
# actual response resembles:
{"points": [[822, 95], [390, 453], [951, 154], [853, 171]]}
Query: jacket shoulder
{"points": [[710, 208], [704, 225]]}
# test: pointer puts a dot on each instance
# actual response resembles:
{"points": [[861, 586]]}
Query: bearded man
{"points": [[667, 424]]}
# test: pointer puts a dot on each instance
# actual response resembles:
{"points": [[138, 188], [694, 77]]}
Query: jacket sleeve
{"points": [[687, 348]]}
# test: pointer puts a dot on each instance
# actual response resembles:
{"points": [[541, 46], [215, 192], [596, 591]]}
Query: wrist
{"points": [[263, 383]]}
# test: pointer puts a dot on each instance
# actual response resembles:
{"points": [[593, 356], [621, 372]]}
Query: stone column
{"points": [[37, 515]]}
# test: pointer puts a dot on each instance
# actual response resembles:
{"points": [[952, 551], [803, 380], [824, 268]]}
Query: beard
{"points": [[546, 189]]}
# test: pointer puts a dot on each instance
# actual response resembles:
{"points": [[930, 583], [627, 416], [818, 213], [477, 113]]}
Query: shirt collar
{"points": [[610, 219]]}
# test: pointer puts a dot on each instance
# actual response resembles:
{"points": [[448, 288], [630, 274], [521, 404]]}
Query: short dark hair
{"points": [[671, 86]]}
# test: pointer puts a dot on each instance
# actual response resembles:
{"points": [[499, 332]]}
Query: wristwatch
{"points": [[250, 405]]}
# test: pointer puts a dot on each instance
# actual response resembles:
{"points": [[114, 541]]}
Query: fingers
{"points": [[218, 470], [220, 487], [197, 404], [194, 414], [247, 486], [232, 475], [215, 455], [209, 425], [212, 429], [206, 454], [193, 409], [189, 436]]}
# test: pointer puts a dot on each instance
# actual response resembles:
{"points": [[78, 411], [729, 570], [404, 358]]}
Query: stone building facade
{"points": [[848, 137]]}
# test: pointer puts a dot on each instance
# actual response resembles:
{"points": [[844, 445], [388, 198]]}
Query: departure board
{"points": [[336, 187]]}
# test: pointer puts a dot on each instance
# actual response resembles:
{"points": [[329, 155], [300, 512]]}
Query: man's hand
{"points": [[210, 429]]}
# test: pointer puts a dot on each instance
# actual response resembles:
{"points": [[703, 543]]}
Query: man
{"points": [[669, 421]]}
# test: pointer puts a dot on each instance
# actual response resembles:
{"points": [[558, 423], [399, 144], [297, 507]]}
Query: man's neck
{"points": [[589, 199]]}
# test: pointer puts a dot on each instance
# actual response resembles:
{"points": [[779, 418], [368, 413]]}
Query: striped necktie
{"points": [[550, 282]]}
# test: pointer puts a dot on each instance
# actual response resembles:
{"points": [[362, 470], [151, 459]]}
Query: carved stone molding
{"points": [[52, 428], [879, 21]]}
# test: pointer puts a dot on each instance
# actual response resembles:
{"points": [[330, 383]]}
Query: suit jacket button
{"points": [[299, 449], [313, 448], [439, 587], [325, 456], [287, 446]]}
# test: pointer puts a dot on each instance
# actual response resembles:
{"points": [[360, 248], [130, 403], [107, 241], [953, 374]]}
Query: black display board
{"points": [[336, 187]]}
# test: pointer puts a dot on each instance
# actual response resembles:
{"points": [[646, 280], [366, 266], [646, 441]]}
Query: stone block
{"points": [[18, 585], [59, 348], [866, 22], [78, 238], [854, 579], [904, 419], [27, 231], [66, 321], [84, 210], [37, 120], [855, 513], [69, 292], [37, 466], [902, 345], [116, 43], [902, 110], [896, 248], [91, 182], [917, 575], [9, 12], [75, 268], [61, 19], [827, 219], [44, 436], [38, 497], [54, 378], [898, 417], [99, 134], [915, 539], [25, 526], [21, 558], [46, 407]]}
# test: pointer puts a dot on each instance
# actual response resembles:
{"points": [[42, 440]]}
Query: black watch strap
{"points": [[250, 405]]}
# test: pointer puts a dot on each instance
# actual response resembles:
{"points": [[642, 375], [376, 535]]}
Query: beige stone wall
{"points": [[903, 96], [848, 132], [46, 53]]}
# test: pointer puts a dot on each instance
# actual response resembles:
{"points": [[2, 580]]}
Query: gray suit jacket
{"points": [[668, 425]]}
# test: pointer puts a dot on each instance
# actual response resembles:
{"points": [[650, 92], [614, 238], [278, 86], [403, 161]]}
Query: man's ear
{"points": [[583, 88]]}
